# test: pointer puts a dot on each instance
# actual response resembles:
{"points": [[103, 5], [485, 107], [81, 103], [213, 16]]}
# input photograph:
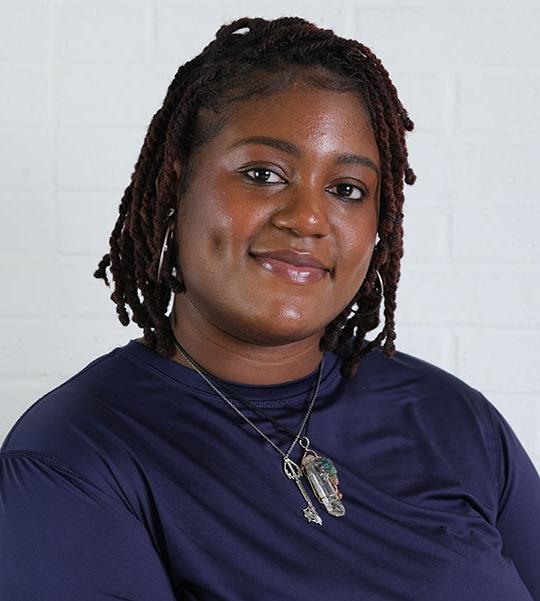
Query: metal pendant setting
{"points": [[321, 473]]}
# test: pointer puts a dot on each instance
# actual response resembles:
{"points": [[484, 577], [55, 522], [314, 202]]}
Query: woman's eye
{"points": [[350, 191], [263, 175]]}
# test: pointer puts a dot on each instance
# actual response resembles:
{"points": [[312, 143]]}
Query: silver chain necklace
{"points": [[319, 471]]}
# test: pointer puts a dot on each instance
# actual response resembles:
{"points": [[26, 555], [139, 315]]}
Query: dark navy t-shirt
{"points": [[134, 481]]}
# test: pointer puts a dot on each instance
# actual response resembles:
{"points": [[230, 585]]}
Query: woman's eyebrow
{"points": [[292, 149]]}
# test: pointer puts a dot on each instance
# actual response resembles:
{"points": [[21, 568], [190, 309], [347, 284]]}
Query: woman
{"points": [[253, 444]]}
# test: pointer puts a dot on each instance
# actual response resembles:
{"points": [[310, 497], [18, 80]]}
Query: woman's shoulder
{"points": [[412, 372], [74, 426], [445, 405], [445, 421]]}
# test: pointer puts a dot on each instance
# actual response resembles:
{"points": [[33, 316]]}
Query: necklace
{"points": [[319, 471]]}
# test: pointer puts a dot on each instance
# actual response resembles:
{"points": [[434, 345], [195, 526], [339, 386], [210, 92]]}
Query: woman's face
{"points": [[295, 171]]}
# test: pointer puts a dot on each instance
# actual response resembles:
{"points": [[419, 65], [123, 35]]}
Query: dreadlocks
{"points": [[234, 67]]}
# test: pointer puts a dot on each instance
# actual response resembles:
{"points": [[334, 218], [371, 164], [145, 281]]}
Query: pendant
{"points": [[321, 473], [293, 472]]}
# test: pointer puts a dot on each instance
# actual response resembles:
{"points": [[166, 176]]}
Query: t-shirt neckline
{"points": [[263, 395]]}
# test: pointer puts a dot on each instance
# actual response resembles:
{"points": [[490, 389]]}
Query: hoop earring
{"points": [[380, 281], [382, 296], [165, 245]]}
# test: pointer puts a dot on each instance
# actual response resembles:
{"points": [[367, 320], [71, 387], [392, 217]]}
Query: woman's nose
{"points": [[303, 211]]}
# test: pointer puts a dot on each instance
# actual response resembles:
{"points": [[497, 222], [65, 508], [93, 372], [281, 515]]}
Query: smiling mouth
{"points": [[299, 274]]}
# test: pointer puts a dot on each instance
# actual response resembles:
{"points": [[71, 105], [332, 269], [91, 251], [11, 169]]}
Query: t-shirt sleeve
{"points": [[518, 513], [62, 538]]}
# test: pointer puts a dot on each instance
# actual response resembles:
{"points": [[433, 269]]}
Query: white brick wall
{"points": [[81, 81]]}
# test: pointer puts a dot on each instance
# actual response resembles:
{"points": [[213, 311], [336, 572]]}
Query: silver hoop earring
{"points": [[165, 245], [372, 311], [380, 281]]}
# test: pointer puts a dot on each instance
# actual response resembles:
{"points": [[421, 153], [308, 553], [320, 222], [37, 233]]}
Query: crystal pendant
{"points": [[322, 476]]}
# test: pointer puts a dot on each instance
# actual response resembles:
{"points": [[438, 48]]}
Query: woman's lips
{"points": [[300, 274]]}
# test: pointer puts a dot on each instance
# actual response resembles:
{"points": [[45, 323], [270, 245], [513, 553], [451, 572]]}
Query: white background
{"points": [[80, 81]]}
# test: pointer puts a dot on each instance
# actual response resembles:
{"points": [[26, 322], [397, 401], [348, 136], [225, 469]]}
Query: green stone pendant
{"points": [[321, 474]]}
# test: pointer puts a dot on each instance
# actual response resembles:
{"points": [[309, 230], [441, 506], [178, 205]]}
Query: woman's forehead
{"points": [[300, 119]]}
